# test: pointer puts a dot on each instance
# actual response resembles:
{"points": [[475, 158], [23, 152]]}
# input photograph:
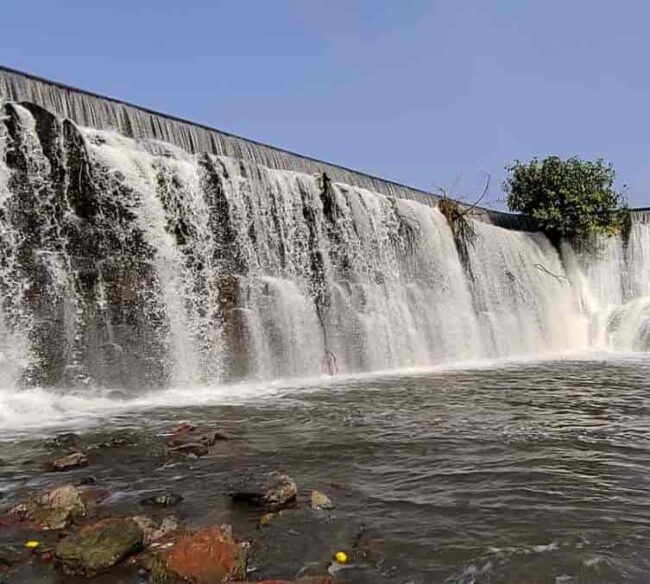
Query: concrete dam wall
{"points": [[104, 113], [138, 251]]}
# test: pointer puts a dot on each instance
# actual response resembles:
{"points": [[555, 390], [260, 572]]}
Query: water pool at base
{"points": [[527, 473]]}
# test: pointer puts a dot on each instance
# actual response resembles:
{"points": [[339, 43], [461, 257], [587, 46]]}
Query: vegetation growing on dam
{"points": [[571, 198]]}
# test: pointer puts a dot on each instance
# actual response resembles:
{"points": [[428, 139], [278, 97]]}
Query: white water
{"points": [[209, 269], [42, 411]]}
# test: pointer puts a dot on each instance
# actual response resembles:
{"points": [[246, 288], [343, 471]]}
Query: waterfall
{"points": [[612, 280], [140, 251]]}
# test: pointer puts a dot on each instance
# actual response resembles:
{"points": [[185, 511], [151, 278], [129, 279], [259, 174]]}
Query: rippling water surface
{"points": [[527, 473]]}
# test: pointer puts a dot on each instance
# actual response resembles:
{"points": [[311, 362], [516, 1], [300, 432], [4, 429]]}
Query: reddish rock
{"points": [[209, 556]]}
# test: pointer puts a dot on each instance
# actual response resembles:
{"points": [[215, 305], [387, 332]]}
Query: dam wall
{"points": [[105, 113], [140, 251]]}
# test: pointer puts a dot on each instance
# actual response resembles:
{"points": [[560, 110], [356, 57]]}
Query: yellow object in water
{"points": [[32, 544], [341, 557]]}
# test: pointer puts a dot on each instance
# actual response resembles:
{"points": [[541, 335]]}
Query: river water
{"points": [[527, 472]]}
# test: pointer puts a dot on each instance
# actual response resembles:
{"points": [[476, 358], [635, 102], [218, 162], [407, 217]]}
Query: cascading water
{"points": [[612, 280], [131, 262]]}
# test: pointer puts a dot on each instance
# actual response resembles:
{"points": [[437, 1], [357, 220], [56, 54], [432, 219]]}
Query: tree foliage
{"points": [[570, 198]]}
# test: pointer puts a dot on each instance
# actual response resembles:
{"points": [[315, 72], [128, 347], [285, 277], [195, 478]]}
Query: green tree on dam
{"points": [[570, 198]]}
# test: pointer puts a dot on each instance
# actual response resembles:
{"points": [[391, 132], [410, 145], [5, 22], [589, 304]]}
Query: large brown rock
{"points": [[209, 556], [55, 509], [96, 548]]}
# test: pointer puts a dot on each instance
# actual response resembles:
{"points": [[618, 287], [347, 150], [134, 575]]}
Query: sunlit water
{"points": [[525, 472]]}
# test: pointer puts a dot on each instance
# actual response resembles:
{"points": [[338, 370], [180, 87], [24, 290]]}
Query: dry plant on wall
{"points": [[459, 217]]}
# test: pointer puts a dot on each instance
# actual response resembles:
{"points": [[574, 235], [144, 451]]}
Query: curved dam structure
{"points": [[139, 250]]}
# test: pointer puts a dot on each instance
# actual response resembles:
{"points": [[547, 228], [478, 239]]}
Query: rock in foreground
{"points": [[96, 548], [209, 556], [54, 509]]}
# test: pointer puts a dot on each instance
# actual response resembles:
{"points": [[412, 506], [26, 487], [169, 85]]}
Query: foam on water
{"points": [[41, 411]]}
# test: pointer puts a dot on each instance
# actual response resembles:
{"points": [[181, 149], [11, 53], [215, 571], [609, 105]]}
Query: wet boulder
{"points": [[320, 501], [69, 462], [209, 556], [55, 509], [95, 548], [273, 490]]}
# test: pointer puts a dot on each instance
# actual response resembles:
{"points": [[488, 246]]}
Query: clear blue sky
{"points": [[416, 91]]}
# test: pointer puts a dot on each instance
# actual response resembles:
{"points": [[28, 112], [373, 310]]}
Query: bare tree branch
{"points": [[560, 278], [485, 192]]}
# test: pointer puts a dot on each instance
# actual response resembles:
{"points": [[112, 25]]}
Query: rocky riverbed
{"points": [[74, 526]]}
